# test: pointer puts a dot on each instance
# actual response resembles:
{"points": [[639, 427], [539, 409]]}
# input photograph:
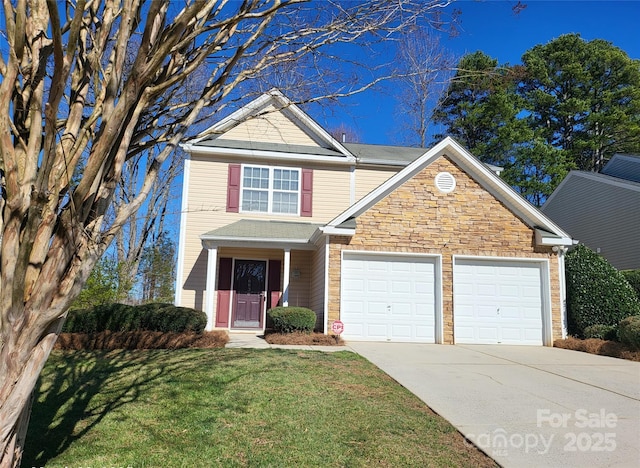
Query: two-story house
{"points": [[400, 244]]}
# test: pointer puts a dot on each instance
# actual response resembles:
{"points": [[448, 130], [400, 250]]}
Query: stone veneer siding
{"points": [[417, 218]]}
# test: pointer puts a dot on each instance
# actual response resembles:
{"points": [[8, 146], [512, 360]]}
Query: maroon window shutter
{"points": [[306, 205], [233, 189]]}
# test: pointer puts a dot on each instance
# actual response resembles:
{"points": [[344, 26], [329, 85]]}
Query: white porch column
{"points": [[210, 285], [285, 281]]}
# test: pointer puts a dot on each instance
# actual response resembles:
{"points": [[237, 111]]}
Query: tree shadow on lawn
{"points": [[78, 389]]}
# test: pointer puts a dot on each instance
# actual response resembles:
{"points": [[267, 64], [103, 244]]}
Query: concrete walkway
{"points": [[525, 406]]}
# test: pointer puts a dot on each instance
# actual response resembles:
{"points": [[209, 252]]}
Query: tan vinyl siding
{"points": [[316, 300], [272, 127], [206, 211], [331, 193], [208, 195], [369, 179], [299, 287]]}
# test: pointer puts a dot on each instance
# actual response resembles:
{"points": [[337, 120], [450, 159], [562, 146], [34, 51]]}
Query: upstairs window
{"points": [[270, 190]]}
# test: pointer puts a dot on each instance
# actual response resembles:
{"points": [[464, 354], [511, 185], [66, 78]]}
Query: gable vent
{"points": [[445, 182]]}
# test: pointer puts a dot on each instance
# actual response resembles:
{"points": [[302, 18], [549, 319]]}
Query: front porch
{"points": [[253, 266]]}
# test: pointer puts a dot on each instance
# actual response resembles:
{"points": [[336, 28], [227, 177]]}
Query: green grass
{"points": [[232, 407]]}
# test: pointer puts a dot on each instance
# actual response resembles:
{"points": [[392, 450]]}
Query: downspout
{"points": [[326, 284], [563, 289], [182, 236]]}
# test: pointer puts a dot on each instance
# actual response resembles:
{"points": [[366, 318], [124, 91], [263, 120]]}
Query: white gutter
{"points": [[264, 154], [337, 231]]}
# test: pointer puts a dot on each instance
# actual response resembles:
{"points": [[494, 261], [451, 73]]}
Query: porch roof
{"points": [[250, 231]]}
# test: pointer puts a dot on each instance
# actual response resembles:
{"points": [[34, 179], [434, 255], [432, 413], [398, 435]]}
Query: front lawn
{"points": [[232, 407]]}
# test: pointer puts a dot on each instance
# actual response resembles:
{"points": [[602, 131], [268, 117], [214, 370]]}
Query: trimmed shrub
{"points": [[597, 293], [633, 278], [292, 319], [125, 318], [602, 332], [629, 332]]}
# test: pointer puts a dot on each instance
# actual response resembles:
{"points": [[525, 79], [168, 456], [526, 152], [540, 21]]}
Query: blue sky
{"points": [[492, 27]]}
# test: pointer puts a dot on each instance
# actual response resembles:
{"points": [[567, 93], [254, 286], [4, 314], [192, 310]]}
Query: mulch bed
{"points": [[140, 340], [601, 347], [317, 339]]}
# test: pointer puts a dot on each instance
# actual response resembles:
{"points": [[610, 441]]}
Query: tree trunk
{"points": [[15, 405], [15, 446]]}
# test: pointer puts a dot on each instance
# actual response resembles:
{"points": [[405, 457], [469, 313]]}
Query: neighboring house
{"points": [[400, 244], [602, 210]]}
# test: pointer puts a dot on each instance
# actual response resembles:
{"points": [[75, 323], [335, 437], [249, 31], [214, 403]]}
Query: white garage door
{"points": [[388, 298], [497, 302]]}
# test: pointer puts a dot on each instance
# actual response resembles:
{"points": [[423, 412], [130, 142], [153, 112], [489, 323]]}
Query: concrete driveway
{"points": [[525, 406]]}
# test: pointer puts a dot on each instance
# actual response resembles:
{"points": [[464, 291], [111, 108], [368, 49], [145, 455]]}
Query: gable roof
{"points": [[623, 166], [547, 232], [270, 102]]}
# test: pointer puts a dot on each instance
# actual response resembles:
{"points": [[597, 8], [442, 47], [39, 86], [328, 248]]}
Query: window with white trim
{"points": [[270, 190]]}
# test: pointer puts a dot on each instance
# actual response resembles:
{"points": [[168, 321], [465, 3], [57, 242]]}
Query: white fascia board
{"points": [[263, 154], [252, 242], [336, 231], [541, 239]]}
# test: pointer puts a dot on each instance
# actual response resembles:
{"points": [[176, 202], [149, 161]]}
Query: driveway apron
{"points": [[525, 406]]}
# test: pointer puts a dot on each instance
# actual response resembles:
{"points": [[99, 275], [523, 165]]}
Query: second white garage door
{"points": [[388, 297], [497, 301]]}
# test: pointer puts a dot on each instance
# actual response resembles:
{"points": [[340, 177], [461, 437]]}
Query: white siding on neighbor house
{"points": [[602, 213], [272, 126]]}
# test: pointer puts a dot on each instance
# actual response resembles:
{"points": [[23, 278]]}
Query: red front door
{"points": [[249, 286]]}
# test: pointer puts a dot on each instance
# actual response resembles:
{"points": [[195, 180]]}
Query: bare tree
{"points": [[344, 134], [148, 223], [69, 105], [426, 68]]}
